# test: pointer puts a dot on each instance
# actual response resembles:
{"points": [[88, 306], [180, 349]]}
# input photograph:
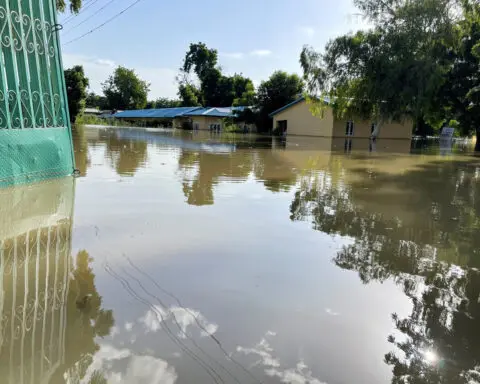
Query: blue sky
{"points": [[252, 37]]}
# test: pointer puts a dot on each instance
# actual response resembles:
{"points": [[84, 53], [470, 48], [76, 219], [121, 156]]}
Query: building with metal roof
{"points": [[161, 113], [296, 118], [197, 118]]}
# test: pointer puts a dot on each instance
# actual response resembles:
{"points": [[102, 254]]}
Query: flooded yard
{"points": [[203, 258]]}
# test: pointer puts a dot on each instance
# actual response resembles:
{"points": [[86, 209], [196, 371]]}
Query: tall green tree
{"points": [[189, 95], [214, 88], [77, 84], [392, 71], [124, 90], [460, 95], [280, 89]]}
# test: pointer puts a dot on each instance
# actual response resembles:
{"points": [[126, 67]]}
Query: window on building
{"points": [[349, 128]]}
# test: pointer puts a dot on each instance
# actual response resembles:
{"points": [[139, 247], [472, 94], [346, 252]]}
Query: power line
{"points": [[73, 15], [88, 18], [85, 7], [105, 23]]}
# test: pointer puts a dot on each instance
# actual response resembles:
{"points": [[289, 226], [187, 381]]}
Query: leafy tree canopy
{"points": [[189, 95], [406, 65], [280, 89], [213, 88], [125, 90], [77, 84], [96, 101]]}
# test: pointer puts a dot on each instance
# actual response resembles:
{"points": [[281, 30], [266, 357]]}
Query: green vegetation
{"points": [[214, 89], [96, 101], [77, 84], [163, 102], [95, 120], [280, 89], [125, 90], [420, 60]]}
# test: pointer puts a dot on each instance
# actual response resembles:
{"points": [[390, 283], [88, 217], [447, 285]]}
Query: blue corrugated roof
{"points": [[212, 112], [177, 112], [155, 113]]}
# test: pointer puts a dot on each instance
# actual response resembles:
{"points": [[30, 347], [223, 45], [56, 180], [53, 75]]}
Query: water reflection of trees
{"points": [[125, 155], [420, 228], [50, 309], [202, 171]]}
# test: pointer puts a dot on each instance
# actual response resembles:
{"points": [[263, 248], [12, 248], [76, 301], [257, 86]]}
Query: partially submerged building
{"points": [[196, 118], [296, 118]]}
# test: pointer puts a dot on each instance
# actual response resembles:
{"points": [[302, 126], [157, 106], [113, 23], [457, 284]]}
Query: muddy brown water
{"points": [[198, 258]]}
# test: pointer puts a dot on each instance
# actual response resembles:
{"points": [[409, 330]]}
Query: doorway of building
{"points": [[282, 127]]}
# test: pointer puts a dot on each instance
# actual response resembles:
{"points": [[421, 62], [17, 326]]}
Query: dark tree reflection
{"points": [[420, 228], [202, 171], [126, 156], [86, 321]]}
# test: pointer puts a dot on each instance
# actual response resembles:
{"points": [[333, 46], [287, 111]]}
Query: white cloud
{"points": [[331, 312], [184, 318], [148, 369], [153, 319], [233, 55], [261, 52], [128, 326], [107, 63], [162, 80], [307, 31], [114, 331], [272, 366], [139, 369]]}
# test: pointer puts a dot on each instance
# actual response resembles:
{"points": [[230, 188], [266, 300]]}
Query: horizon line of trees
{"points": [[419, 60], [201, 82]]}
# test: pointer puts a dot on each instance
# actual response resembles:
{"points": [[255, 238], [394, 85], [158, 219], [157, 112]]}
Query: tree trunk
{"points": [[477, 144]]}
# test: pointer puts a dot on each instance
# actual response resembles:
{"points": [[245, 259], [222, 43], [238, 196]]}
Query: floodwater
{"points": [[191, 258]]}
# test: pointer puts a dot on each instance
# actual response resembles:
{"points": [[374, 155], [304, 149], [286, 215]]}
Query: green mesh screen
{"points": [[35, 135]]}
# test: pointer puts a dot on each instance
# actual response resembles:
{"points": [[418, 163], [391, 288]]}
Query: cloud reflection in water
{"points": [[272, 366]]}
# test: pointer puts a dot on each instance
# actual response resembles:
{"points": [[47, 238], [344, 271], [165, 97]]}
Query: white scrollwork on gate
{"points": [[42, 29], [31, 86]]}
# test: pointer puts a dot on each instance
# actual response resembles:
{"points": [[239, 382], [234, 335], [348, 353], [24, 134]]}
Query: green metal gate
{"points": [[35, 134]]}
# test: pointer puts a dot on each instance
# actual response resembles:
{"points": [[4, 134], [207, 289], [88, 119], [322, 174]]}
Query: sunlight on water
{"points": [[430, 357], [189, 258]]}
